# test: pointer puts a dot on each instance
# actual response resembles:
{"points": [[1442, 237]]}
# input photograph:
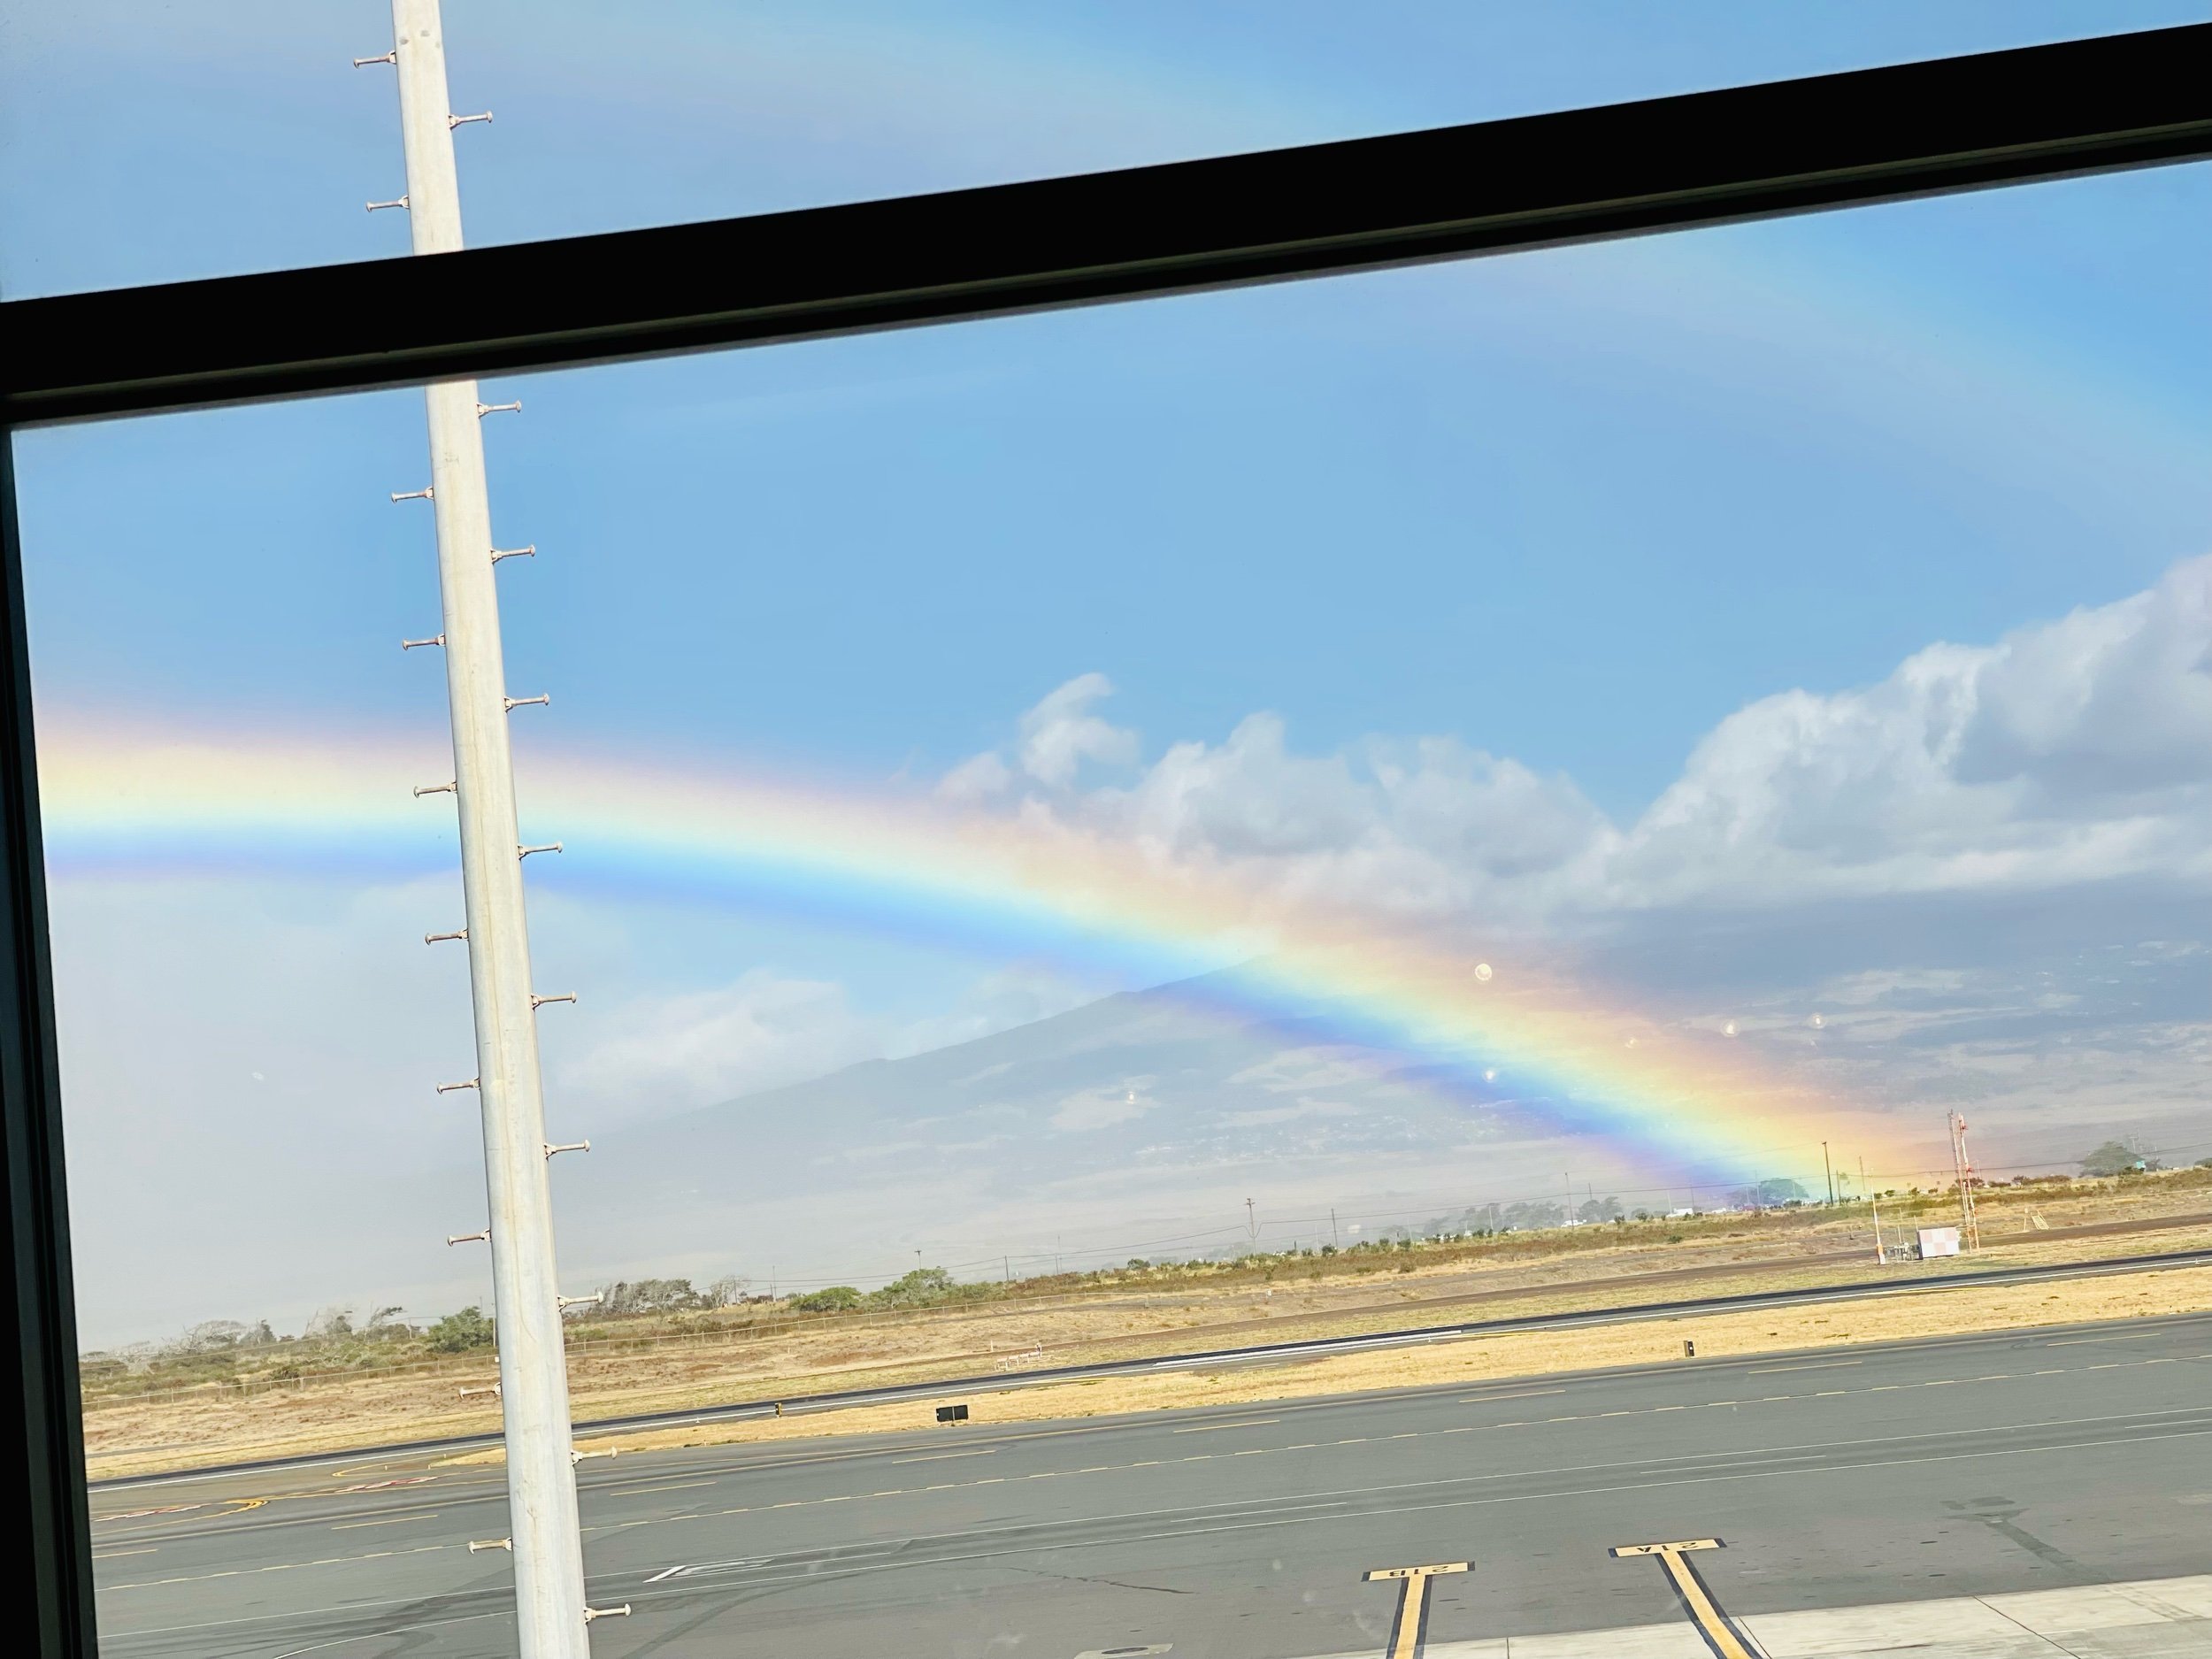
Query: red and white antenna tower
{"points": [[545, 1538], [1962, 1168]]}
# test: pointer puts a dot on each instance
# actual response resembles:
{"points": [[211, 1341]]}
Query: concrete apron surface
{"points": [[2150, 1618]]}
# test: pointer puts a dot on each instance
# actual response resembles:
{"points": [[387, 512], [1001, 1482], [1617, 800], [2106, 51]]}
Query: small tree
{"points": [[835, 1298], [458, 1333], [2117, 1157], [923, 1285]]}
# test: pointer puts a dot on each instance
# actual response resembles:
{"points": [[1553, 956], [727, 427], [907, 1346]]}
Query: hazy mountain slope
{"points": [[1128, 1112]]}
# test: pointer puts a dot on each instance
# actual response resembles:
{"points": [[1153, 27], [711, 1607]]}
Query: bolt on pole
{"points": [[532, 1372]]}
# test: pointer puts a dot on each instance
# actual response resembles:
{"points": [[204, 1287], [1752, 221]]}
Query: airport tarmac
{"points": [[2041, 1493]]}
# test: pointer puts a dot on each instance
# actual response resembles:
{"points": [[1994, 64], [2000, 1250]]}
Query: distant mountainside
{"points": [[1143, 1114]]}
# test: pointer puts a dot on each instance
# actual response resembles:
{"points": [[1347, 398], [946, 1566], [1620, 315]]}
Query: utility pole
{"points": [[1962, 1169], [1827, 1164], [550, 1612], [1333, 1236], [1251, 1224]]}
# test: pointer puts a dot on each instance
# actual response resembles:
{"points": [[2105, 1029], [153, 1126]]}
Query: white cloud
{"points": [[1061, 732], [2071, 751], [764, 1030], [979, 777], [1055, 738]]}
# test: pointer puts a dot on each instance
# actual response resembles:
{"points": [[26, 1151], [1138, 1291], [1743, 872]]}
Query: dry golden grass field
{"points": [[138, 1424]]}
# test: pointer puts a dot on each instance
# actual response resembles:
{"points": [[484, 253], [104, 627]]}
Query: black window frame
{"points": [[1883, 134]]}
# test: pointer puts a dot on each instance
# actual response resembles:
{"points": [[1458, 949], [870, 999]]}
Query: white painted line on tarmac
{"points": [[1816, 1364], [1519, 1393], [937, 1457], [632, 1492], [1207, 1428]]}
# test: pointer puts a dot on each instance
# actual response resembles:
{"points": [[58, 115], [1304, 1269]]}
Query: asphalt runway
{"points": [[1927, 1473]]}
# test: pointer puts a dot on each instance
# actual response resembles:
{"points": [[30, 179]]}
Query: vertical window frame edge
{"points": [[41, 1435]]}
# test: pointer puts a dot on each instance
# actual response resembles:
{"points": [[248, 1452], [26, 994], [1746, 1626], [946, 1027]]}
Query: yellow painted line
{"points": [[392, 1520], [1410, 1626], [1623, 1552], [1705, 1612], [1207, 1428]]}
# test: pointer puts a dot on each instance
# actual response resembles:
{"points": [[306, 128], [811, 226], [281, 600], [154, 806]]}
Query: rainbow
{"points": [[1490, 1025]]}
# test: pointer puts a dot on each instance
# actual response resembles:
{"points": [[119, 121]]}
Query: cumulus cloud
{"points": [[1061, 732], [2071, 751], [1055, 740], [2075, 750]]}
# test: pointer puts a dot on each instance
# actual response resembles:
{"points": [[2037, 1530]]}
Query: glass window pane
{"points": [[1366, 829], [142, 144]]}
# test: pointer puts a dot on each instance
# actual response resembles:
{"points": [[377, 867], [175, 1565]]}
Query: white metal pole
{"points": [[532, 1372]]}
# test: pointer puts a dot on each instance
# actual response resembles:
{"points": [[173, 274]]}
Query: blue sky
{"points": [[1579, 510], [1687, 448], [1574, 507]]}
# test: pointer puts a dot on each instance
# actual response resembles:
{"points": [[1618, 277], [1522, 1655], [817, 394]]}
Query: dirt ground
{"points": [[609, 1380]]}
